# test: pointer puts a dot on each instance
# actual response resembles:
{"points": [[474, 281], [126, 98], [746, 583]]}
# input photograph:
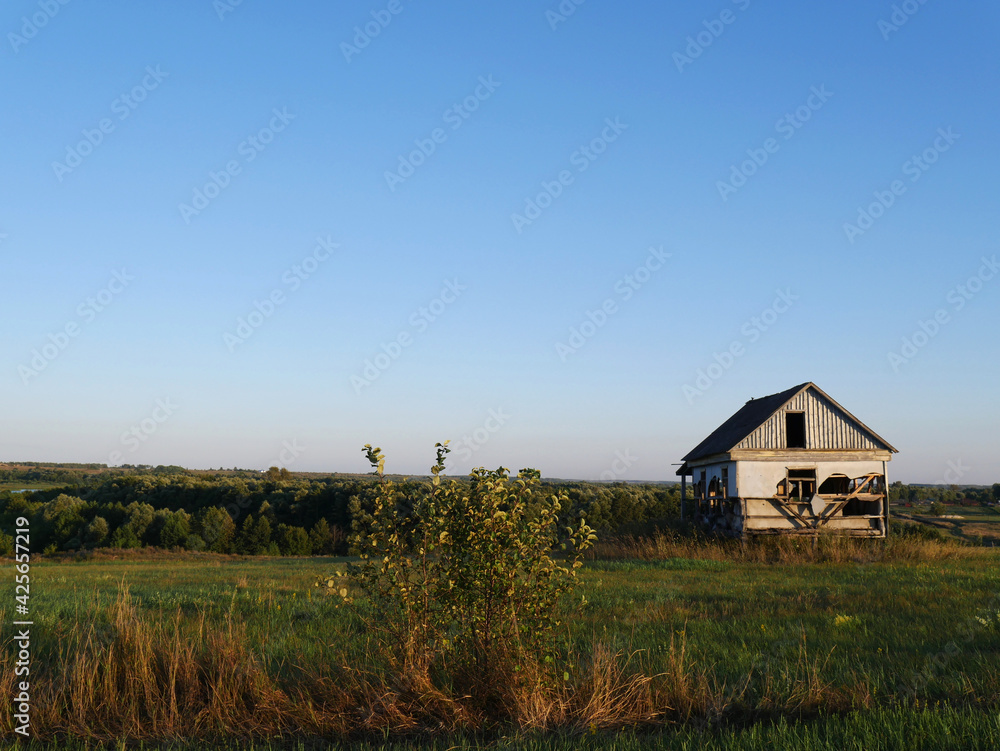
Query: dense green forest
{"points": [[275, 513], [247, 512], [982, 494]]}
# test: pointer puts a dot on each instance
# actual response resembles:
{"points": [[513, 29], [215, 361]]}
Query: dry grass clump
{"points": [[131, 677], [135, 678], [662, 545]]}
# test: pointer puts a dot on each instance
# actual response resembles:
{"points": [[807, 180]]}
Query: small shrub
{"points": [[125, 538], [293, 540], [464, 577], [217, 529], [326, 540], [916, 531], [97, 531], [175, 530], [255, 537]]}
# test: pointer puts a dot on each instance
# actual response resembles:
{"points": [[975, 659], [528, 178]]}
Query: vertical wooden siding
{"points": [[827, 427]]}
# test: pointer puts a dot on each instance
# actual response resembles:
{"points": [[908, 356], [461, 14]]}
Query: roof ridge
{"points": [[756, 412]]}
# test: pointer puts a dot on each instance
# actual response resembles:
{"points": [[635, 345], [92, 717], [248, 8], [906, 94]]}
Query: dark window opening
{"points": [[858, 507], [866, 487], [801, 483], [795, 430], [835, 485], [725, 482]]}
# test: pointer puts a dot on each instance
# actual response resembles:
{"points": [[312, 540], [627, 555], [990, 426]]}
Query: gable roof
{"points": [[755, 413]]}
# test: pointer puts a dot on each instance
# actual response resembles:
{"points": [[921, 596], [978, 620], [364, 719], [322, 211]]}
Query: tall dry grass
{"points": [[663, 545], [139, 678], [136, 678]]}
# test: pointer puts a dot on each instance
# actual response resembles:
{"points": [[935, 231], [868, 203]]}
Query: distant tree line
{"points": [[61, 465], [253, 513], [40, 474], [945, 494]]}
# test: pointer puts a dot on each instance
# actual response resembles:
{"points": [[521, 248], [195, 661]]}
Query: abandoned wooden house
{"points": [[791, 463]]}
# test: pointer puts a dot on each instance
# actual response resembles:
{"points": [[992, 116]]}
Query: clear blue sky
{"points": [[311, 116]]}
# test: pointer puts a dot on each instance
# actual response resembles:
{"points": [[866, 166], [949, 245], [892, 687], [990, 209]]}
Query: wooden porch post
{"points": [[683, 496], [885, 510]]}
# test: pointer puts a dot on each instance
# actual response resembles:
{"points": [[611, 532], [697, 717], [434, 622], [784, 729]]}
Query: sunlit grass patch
{"points": [[724, 639]]}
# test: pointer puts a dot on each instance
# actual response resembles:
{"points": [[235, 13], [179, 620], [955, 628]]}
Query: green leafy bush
{"points": [[468, 576], [293, 540], [255, 537], [217, 529], [97, 531], [917, 531]]}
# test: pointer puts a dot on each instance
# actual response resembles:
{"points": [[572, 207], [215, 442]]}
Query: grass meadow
{"points": [[679, 645], [976, 524]]}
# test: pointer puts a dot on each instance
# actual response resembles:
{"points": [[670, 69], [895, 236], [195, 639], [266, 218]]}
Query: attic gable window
{"points": [[795, 430]]}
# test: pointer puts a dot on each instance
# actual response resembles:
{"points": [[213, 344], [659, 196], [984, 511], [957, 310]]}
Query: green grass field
{"points": [[753, 643], [975, 524], [932, 729]]}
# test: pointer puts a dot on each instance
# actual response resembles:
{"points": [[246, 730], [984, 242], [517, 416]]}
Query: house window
{"points": [[835, 485], [864, 504], [801, 483], [795, 430], [725, 482]]}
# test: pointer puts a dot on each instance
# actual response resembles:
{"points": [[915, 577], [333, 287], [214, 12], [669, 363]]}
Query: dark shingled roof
{"points": [[753, 414]]}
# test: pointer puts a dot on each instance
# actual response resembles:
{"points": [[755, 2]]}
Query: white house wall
{"points": [[759, 479], [768, 519]]}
